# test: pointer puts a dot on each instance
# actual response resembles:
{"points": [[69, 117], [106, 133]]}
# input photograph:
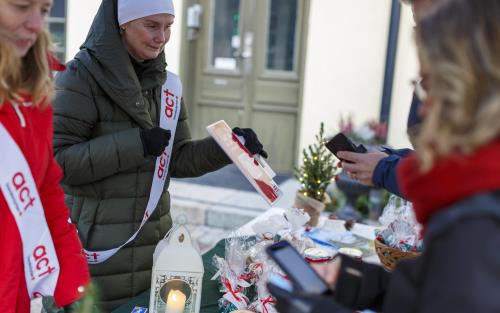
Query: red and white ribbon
{"points": [[41, 266]]}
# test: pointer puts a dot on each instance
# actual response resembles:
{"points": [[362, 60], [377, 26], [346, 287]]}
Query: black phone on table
{"points": [[304, 278], [340, 142]]}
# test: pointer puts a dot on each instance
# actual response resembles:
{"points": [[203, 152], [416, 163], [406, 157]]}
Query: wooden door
{"points": [[248, 71]]}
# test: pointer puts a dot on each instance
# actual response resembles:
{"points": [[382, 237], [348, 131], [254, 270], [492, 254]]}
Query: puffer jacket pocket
{"points": [[86, 219]]}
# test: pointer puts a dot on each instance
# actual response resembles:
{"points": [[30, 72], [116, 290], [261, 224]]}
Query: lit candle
{"points": [[176, 301]]}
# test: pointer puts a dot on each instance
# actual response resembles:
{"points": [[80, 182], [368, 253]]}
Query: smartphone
{"points": [[301, 274], [340, 142]]}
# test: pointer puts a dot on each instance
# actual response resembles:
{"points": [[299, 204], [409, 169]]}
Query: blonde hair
{"points": [[30, 74], [459, 47], [10, 71]]}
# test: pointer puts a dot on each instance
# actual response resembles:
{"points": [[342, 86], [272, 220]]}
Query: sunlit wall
{"points": [[345, 62]]}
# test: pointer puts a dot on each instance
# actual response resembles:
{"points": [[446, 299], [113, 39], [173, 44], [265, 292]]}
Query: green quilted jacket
{"points": [[103, 100]]}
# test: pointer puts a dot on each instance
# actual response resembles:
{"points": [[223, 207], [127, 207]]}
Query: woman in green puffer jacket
{"points": [[106, 139]]}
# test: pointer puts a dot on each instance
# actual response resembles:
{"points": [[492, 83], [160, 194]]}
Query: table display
{"points": [[211, 294]]}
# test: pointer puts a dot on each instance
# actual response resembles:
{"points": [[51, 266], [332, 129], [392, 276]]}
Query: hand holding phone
{"points": [[299, 302], [340, 142], [303, 277]]}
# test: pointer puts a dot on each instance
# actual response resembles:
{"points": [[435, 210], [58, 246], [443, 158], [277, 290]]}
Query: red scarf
{"points": [[451, 179]]}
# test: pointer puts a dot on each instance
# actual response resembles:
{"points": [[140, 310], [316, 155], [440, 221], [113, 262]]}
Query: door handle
{"points": [[242, 55], [246, 51]]}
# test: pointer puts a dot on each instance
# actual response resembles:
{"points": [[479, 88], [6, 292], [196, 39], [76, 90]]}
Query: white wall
{"points": [[344, 66], [79, 18], [345, 62], [406, 71], [81, 13], [173, 47]]}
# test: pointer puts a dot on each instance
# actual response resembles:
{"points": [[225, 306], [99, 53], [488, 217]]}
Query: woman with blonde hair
{"points": [[453, 181], [40, 251]]}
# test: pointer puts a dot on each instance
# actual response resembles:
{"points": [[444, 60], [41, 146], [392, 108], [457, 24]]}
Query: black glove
{"points": [[288, 302], [154, 140], [252, 143]]}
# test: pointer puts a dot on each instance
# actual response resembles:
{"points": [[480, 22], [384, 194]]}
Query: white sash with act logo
{"points": [[169, 115], [41, 267]]}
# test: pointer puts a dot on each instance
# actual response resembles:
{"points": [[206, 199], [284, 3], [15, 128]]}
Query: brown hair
{"points": [[459, 47], [30, 74]]}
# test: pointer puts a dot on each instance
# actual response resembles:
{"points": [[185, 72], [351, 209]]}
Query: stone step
{"points": [[219, 216], [222, 207], [207, 237]]}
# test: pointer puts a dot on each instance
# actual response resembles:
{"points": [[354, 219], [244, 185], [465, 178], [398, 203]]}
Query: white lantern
{"points": [[177, 274]]}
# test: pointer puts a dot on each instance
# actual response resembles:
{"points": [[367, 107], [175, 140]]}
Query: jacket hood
{"points": [[105, 57]]}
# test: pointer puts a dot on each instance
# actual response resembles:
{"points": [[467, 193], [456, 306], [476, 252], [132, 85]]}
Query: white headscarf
{"points": [[129, 10]]}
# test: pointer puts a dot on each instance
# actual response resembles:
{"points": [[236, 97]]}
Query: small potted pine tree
{"points": [[317, 171]]}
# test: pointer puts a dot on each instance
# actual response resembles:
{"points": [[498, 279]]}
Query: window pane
{"points": [[58, 35], [281, 40], [58, 8], [226, 36]]}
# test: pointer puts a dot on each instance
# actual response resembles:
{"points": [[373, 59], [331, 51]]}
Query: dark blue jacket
{"points": [[413, 117], [384, 175]]}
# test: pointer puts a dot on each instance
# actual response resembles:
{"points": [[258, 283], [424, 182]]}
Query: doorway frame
{"points": [[189, 62]]}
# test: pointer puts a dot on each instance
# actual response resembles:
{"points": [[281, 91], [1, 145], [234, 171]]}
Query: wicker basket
{"points": [[389, 257]]}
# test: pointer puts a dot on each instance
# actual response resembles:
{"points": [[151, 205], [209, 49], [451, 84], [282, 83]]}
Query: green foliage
{"points": [[363, 205], [88, 304], [318, 168], [338, 200]]}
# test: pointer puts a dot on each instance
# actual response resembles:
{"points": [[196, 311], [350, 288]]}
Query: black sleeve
{"points": [[361, 285], [192, 158], [461, 270]]}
